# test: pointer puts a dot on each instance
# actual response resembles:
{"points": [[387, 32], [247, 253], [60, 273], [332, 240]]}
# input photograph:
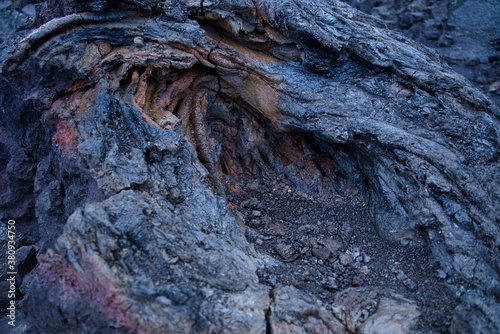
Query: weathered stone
{"points": [[291, 312], [330, 244], [287, 252], [277, 229], [478, 314], [345, 259], [127, 126], [321, 253], [365, 310], [392, 316]]}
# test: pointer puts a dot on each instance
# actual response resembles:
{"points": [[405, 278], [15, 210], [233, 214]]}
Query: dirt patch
{"points": [[324, 243]]}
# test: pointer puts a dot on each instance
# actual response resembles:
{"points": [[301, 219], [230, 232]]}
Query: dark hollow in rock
{"points": [[251, 167]]}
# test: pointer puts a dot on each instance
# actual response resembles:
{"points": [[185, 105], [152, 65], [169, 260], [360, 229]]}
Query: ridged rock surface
{"points": [[125, 126]]}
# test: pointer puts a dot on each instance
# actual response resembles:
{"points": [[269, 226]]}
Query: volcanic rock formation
{"points": [[130, 131]]}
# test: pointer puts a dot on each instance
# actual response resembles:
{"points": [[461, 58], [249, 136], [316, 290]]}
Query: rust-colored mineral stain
{"points": [[66, 140], [65, 137], [263, 97], [95, 285], [250, 56], [172, 94]]}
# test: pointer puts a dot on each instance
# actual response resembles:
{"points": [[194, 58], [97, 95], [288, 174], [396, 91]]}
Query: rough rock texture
{"points": [[464, 32], [371, 311], [127, 128]]}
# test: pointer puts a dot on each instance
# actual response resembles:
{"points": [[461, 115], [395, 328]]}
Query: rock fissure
{"points": [[269, 312]]}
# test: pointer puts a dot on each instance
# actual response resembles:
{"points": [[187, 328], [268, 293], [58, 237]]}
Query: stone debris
{"points": [[345, 259]]}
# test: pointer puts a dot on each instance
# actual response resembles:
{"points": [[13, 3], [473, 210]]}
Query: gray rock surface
{"points": [[371, 311], [127, 126], [464, 32]]}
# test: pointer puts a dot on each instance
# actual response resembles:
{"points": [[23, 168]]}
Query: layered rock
{"points": [[127, 125]]}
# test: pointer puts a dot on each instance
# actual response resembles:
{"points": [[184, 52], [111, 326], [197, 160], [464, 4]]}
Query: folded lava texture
{"points": [[126, 125]]}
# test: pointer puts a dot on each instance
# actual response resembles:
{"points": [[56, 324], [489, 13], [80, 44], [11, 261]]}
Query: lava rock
{"points": [[250, 203], [321, 253], [127, 128], [410, 285], [357, 282], [331, 244], [345, 259], [277, 229], [372, 311], [287, 252]]}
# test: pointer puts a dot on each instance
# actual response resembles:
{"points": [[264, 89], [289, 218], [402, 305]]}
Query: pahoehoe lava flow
{"points": [[234, 166]]}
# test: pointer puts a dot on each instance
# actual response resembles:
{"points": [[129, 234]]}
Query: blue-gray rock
{"points": [[126, 127]]}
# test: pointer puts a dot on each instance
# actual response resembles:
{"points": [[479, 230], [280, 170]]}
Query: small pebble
{"points": [[322, 253], [401, 276], [272, 279], [410, 285], [331, 284], [163, 300], [139, 42], [345, 259], [254, 223], [364, 270], [347, 229], [355, 253], [440, 273], [357, 282], [250, 203]]}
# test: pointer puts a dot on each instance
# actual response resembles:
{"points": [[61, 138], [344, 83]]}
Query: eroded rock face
{"points": [[464, 32], [371, 311], [129, 127]]}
